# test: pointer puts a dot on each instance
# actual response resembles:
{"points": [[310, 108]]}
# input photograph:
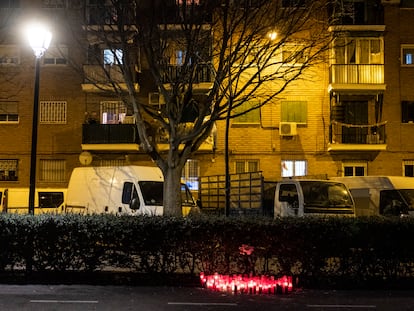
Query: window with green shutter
{"points": [[251, 117], [294, 111]]}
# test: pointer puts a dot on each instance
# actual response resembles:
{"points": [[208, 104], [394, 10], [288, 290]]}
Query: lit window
{"points": [[190, 174], [246, 166], [52, 112], [188, 2], [9, 112], [407, 55], [354, 169], [112, 57], [52, 170], [8, 170], [291, 168], [113, 112], [294, 111]]}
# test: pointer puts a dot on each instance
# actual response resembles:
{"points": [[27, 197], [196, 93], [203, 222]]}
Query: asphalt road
{"points": [[143, 298]]}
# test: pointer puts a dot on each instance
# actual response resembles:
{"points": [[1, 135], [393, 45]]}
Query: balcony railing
{"points": [[203, 73], [97, 74], [342, 133], [357, 74], [109, 134]]}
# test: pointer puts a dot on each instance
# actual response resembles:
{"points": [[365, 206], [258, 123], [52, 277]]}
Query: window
{"points": [[188, 2], [9, 112], [291, 168], [8, 170], [294, 111], [9, 4], [407, 4], [358, 51], [293, 3], [294, 54], [9, 55], [113, 112], [408, 168], [52, 112], [56, 56], [246, 166], [190, 174], [407, 55], [52, 170], [354, 169], [58, 4], [407, 111], [113, 56], [250, 117]]}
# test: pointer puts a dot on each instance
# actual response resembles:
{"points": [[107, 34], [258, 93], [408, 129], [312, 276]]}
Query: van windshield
{"points": [[152, 192], [325, 194], [408, 195]]}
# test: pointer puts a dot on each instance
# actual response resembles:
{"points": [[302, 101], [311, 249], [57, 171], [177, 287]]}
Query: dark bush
{"points": [[322, 251]]}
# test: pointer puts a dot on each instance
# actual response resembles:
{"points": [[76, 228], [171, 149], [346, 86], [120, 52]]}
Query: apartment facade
{"points": [[352, 115]]}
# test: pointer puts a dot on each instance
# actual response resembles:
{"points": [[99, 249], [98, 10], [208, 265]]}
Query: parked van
{"points": [[121, 190], [47, 200], [308, 197], [381, 195]]}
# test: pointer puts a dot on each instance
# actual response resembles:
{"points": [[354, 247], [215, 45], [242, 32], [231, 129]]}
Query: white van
{"points": [[121, 190], [381, 195], [47, 200], [311, 197]]}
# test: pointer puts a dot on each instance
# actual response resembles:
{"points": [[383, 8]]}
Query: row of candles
{"points": [[247, 284]]}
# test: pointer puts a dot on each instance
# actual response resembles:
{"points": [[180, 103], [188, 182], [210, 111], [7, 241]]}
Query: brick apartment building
{"points": [[354, 117]]}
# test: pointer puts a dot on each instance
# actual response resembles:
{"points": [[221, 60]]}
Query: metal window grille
{"points": [[114, 162], [246, 166], [53, 112], [8, 169], [52, 170]]}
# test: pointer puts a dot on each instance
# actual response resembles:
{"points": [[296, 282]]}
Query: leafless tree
{"points": [[252, 50]]}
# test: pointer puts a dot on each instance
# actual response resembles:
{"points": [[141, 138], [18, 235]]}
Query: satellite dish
{"points": [[85, 158]]}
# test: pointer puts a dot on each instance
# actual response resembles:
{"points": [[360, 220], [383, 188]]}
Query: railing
{"points": [[342, 133], [357, 74], [109, 134], [203, 73], [97, 74]]}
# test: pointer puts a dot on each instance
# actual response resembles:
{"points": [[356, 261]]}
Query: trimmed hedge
{"points": [[319, 251]]}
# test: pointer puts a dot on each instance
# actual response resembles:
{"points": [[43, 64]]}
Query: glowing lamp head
{"points": [[39, 38], [272, 35]]}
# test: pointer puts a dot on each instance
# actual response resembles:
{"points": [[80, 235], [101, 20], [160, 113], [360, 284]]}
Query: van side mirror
{"points": [[134, 204]]}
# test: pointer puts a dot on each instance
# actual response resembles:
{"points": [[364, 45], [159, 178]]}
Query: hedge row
{"points": [[314, 249]]}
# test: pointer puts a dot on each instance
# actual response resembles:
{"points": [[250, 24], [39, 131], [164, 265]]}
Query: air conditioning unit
{"points": [[287, 129]]}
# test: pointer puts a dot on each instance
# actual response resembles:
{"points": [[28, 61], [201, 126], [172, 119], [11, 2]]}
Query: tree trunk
{"points": [[172, 192]]}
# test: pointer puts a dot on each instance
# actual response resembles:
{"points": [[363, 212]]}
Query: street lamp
{"points": [[39, 39]]}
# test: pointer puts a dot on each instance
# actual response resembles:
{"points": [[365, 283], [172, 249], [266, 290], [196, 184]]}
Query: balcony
{"points": [[348, 137], [357, 77], [124, 137], [98, 78], [203, 77], [121, 137]]}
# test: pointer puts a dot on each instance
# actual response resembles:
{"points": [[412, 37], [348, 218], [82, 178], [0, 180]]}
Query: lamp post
{"points": [[39, 38]]}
